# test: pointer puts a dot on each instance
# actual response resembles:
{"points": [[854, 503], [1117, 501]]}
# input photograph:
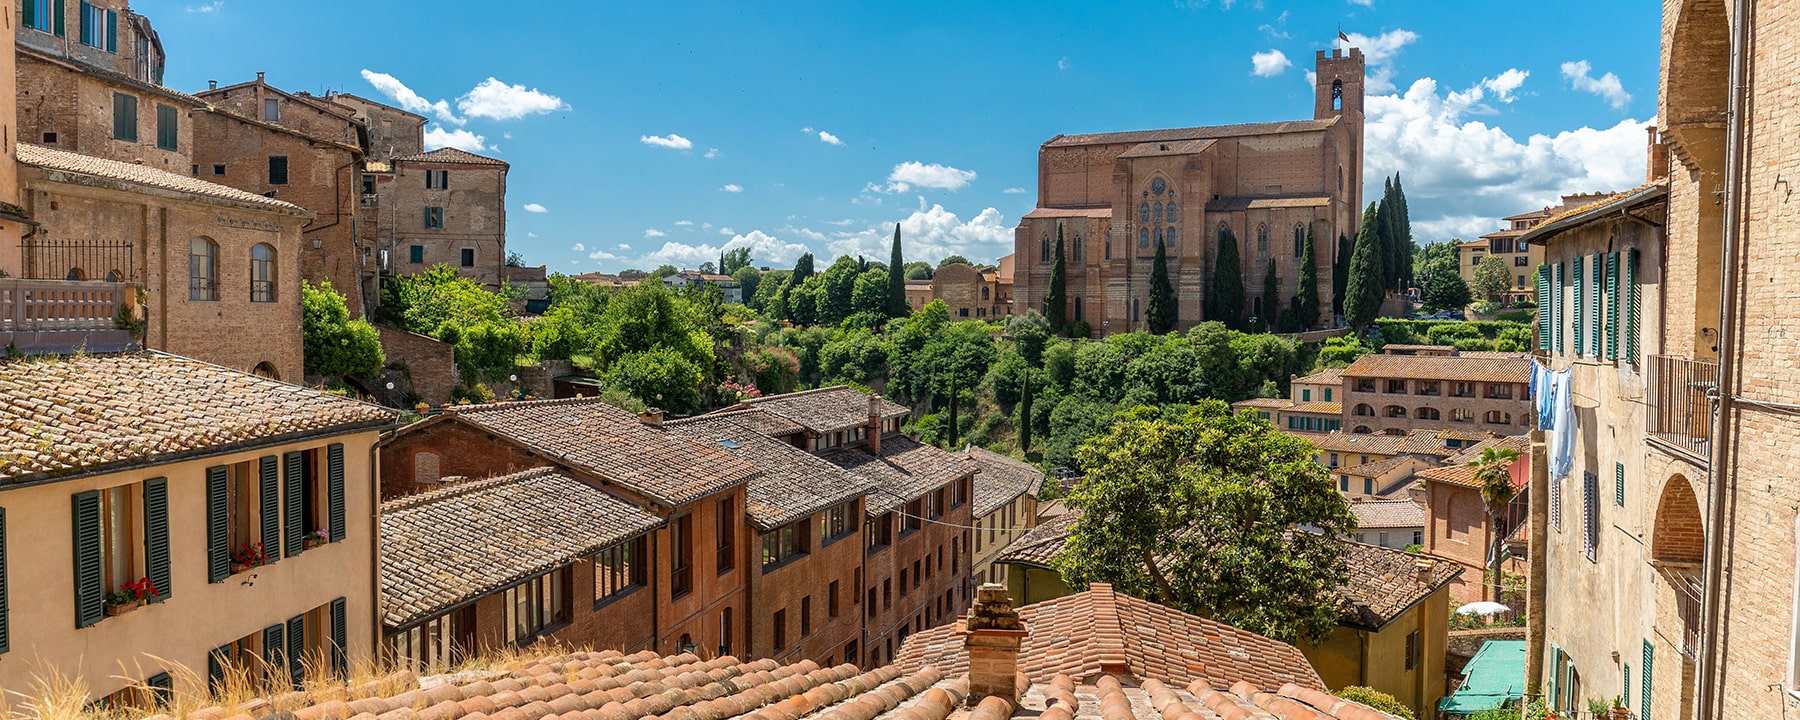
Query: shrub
{"points": [[1375, 699], [1081, 329]]}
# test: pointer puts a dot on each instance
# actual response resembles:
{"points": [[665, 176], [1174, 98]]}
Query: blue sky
{"points": [[655, 133]]}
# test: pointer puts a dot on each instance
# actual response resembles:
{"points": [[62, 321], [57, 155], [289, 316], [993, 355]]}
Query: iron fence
{"points": [[52, 259], [1680, 394]]}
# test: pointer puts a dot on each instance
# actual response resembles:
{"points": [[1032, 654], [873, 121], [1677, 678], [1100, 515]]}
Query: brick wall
{"points": [[413, 460], [804, 581], [78, 107], [430, 365], [474, 218]]}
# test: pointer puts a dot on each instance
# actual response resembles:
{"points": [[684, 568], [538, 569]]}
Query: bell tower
{"points": [[1339, 88]]}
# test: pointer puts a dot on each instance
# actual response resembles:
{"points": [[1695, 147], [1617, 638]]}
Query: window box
{"points": [[121, 609]]}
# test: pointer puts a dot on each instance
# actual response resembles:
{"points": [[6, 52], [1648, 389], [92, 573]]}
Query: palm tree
{"points": [[1493, 472]]}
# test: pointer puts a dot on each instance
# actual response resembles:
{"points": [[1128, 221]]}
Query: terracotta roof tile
{"points": [[451, 156], [60, 160], [825, 410], [768, 424], [1359, 443], [67, 414], [1384, 583], [907, 469], [1000, 479], [1388, 514], [441, 548], [1373, 469], [1040, 545], [599, 438], [1192, 133], [1095, 213], [1513, 369], [1328, 376], [791, 483], [1270, 403], [1319, 407]]}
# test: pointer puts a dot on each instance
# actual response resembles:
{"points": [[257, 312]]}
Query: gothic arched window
{"points": [[1143, 237], [1044, 249], [1156, 213], [1144, 212], [1171, 211], [1299, 239], [1262, 241], [1109, 244], [1337, 95]]}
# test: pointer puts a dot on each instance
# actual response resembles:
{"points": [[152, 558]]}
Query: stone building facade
{"points": [[445, 207], [1114, 196], [1395, 394], [1521, 257]]}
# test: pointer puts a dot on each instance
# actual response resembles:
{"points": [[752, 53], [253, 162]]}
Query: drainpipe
{"points": [[1712, 615], [376, 651], [1537, 559]]}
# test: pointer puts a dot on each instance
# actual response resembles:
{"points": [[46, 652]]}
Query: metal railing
{"points": [[37, 305], [46, 259], [1680, 392]]}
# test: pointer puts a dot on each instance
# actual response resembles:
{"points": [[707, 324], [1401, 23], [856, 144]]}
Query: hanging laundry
{"points": [[1562, 419]]}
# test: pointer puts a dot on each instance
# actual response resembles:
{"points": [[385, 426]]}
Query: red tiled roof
{"points": [[451, 156], [63, 161], [1318, 408], [1515, 369], [1000, 479], [1095, 213], [907, 469], [1328, 376], [1384, 582], [825, 410], [791, 483], [1387, 514], [1040, 545], [1193, 133]]}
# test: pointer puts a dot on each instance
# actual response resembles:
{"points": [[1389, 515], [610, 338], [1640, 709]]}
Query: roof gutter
{"points": [[1624, 203]]}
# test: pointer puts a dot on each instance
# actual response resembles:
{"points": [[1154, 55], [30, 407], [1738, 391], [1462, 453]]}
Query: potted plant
{"points": [[1619, 711], [129, 597], [247, 556], [317, 538], [422, 408]]}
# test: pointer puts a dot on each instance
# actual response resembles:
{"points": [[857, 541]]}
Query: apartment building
{"points": [[1312, 405], [696, 491], [1474, 391], [1006, 507], [169, 521], [1521, 256], [1458, 526]]}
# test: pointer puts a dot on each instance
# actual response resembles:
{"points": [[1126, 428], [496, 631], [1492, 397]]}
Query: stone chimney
{"points": [[992, 635], [1658, 166], [652, 417], [873, 433], [1422, 567], [259, 75], [212, 84]]}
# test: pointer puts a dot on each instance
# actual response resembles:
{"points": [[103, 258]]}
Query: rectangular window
{"points": [[431, 646], [681, 568], [437, 179], [219, 170], [831, 591], [836, 522], [35, 14], [278, 170], [1619, 484], [1414, 649], [434, 218], [959, 492], [125, 122], [168, 134], [1544, 309], [415, 254], [903, 585], [785, 542], [619, 569], [1327, 394], [1556, 522], [805, 616], [1396, 386], [1580, 308], [1632, 298], [94, 29], [537, 605], [915, 517], [272, 109], [726, 529], [1596, 303], [1368, 486], [468, 257], [1305, 396], [779, 626], [878, 533], [1590, 514]]}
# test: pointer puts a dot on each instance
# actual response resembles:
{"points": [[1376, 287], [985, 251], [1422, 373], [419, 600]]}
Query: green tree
{"points": [[1308, 308], [1161, 314], [1437, 257], [749, 280], [896, 280], [662, 271], [1363, 295], [1402, 229], [334, 345], [650, 317], [1203, 511], [1384, 234], [1492, 277], [1030, 331], [562, 332], [1339, 352], [869, 293], [730, 261], [918, 270], [426, 302], [1271, 297], [1378, 700], [803, 268], [708, 268], [1446, 291], [1493, 470], [659, 377], [1024, 422], [954, 260], [1226, 301], [1340, 273], [1055, 298], [958, 358], [488, 351]]}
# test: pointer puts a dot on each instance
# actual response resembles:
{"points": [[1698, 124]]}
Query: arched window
{"points": [[267, 370], [262, 273], [115, 276], [1337, 95], [1156, 213], [75, 273], [1077, 309], [1461, 415], [1169, 212], [984, 292], [1144, 212], [1080, 249], [1159, 236], [1498, 417], [1044, 249], [1363, 410], [1362, 430], [1108, 247], [203, 269], [1170, 236], [1262, 241], [1256, 306], [1426, 413], [1143, 237], [1395, 411], [1299, 239]]}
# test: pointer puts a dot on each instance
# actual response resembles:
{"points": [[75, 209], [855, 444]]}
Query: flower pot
{"points": [[314, 542], [1619, 713], [114, 610], [239, 567]]}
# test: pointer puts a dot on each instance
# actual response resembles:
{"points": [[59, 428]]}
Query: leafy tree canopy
{"points": [[954, 260], [334, 344]]}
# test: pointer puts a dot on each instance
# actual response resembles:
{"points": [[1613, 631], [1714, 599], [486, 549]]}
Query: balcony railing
{"points": [[46, 259], [1680, 401], [42, 305]]}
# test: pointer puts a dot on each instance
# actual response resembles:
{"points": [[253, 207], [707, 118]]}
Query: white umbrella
{"points": [[1485, 607]]}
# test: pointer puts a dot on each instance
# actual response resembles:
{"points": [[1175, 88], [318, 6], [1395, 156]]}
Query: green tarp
{"points": [[1495, 676]]}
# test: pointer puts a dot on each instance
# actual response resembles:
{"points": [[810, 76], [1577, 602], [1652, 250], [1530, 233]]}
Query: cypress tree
{"points": [[896, 280], [1226, 301], [1362, 296], [1384, 237], [1403, 233], [803, 269], [1162, 310], [1271, 296], [1025, 411], [1309, 283], [1054, 299], [1340, 273]]}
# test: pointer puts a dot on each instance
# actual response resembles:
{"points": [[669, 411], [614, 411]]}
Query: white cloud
{"points": [[671, 141], [807, 233], [654, 233], [1013, 191], [829, 139], [496, 100], [1378, 56], [727, 231], [530, 234], [765, 249], [437, 137], [211, 7], [506, 135], [732, 188], [846, 222], [684, 223], [1606, 86], [410, 101], [1462, 175], [1063, 63], [622, 246], [1277, 30], [1364, 3], [1269, 64], [604, 256], [1505, 83], [910, 174], [705, 226], [932, 233], [712, 153], [535, 208], [578, 247]]}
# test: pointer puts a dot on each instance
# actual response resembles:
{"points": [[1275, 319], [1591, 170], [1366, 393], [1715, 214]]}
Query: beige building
{"points": [[967, 291], [1379, 479], [247, 504], [1310, 408], [1114, 197], [1393, 394], [1006, 508], [457, 206], [1521, 257]]}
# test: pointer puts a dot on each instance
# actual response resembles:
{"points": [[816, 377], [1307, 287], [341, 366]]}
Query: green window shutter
{"points": [[1648, 669], [217, 661], [1619, 484], [294, 518], [1556, 298], [28, 14], [340, 647], [1554, 674], [1543, 307], [112, 31], [162, 688], [1632, 299], [296, 649], [87, 28], [5, 600], [1626, 690], [56, 17], [1580, 308], [218, 529], [1612, 306], [90, 579], [156, 537], [274, 648], [268, 497], [1597, 272], [334, 478]]}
